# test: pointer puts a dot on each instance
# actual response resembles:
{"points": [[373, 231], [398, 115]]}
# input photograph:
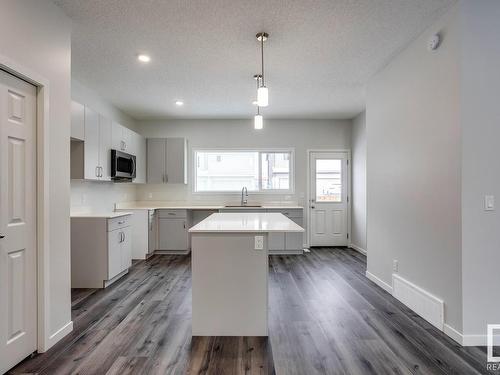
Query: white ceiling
{"points": [[319, 57]]}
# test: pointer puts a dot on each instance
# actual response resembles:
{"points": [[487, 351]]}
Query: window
{"points": [[231, 170], [328, 180]]}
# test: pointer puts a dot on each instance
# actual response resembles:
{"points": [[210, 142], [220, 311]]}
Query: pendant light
{"points": [[258, 119], [262, 91]]}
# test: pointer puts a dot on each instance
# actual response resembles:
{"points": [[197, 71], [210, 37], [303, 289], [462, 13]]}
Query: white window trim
{"points": [[245, 149]]}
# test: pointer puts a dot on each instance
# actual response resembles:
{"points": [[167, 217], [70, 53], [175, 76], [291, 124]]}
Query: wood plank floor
{"points": [[326, 317]]}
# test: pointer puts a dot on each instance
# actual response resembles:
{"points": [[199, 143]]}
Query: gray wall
{"points": [[299, 134], [480, 112], [99, 196], [37, 35], [358, 165], [413, 168]]}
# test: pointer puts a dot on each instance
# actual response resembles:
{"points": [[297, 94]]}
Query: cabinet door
{"points": [[139, 148], [91, 145], [156, 160], [105, 147], [127, 140], [175, 160], [294, 241], [114, 253], [173, 234], [117, 136], [276, 241], [77, 121], [126, 248]]}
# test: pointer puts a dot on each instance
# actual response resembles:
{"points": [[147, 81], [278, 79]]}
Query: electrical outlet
{"points": [[395, 265], [259, 242], [489, 203]]}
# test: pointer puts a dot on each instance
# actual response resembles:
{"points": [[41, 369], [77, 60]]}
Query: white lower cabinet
{"points": [[173, 233], [101, 250]]}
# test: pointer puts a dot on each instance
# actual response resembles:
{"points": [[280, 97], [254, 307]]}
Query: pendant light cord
{"points": [[262, 57]]}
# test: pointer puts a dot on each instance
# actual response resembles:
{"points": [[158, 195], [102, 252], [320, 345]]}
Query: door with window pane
{"points": [[328, 199]]}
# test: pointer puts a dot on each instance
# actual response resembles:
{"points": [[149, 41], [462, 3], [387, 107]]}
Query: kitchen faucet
{"points": [[244, 196]]}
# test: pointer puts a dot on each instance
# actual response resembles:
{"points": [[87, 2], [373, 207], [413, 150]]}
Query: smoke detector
{"points": [[434, 42]]}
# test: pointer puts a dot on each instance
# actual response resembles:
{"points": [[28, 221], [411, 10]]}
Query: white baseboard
{"points": [[478, 340], [419, 300], [379, 282], [58, 335], [453, 333], [357, 248]]}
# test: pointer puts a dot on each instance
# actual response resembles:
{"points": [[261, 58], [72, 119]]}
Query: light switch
{"points": [[489, 203]]}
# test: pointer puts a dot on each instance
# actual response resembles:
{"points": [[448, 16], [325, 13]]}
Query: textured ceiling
{"points": [[319, 57]]}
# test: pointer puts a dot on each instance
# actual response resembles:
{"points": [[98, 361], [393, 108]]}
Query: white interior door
{"points": [[18, 308], [328, 199]]}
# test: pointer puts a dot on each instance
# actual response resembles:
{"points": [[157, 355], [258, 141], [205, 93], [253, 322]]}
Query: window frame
{"points": [[260, 150]]}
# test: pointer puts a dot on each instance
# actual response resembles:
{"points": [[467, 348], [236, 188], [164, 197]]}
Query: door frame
{"points": [[309, 192], [44, 339]]}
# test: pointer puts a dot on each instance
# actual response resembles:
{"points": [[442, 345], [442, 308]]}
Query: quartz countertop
{"points": [[103, 215], [154, 205], [246, 222]]}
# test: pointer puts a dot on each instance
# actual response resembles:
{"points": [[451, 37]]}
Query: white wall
{"points": [[358, 166], [413, 168], [99, 196], [480, 112], [37, 35], [299, 134]]}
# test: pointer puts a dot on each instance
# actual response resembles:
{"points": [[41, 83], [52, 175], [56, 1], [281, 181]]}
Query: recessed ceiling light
{"points": [[179, 103], [143, 58]]}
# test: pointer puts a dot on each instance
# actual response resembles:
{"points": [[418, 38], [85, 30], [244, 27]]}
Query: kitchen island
{"points": [[229, 272]]}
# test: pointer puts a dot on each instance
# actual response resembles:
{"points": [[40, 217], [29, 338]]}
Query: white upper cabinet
{"points": [[139, 150], [105, 148], [90, 157], [167, 160], [122, 138], [77, 121]]}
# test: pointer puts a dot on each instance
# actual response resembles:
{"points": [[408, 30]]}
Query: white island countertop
{"points": [[253, 222]]}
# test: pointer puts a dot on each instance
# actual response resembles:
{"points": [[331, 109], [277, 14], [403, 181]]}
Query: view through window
{"points": [[230, 170]]}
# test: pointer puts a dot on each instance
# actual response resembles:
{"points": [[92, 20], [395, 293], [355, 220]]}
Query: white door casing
{"points": [[328, 198], [18, 297]]}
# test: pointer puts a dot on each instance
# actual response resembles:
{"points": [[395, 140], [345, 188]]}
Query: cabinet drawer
{"points": [[118, 222], [294, 212], [172, 214]]}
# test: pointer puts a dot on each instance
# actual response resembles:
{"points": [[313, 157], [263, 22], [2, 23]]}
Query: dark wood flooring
{"points": [[326, 317]]}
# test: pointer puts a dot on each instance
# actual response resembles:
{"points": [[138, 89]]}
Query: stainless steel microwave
{"points": [[123, 166]]}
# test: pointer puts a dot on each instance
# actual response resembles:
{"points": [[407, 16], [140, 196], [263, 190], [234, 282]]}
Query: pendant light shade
{"points": [[258, 122], [262, 96]]}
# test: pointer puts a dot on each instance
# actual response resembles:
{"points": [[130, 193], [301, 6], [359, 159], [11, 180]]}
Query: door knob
{"points": [[1, 236], [313, 207]]}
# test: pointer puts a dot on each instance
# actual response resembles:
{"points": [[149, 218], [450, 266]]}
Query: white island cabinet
{"points": [[229, 272], [101, 248]]}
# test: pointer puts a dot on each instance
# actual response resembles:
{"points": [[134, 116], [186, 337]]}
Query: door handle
{"points": [[2, 236], [121, 222], [313, 207]]}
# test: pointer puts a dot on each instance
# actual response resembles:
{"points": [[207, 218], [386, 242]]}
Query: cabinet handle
{"points": [[101, 170], [123, 233], [184, 225], [171, 213], [97, 171], [121, 222], [166, 177], [2, 236]]}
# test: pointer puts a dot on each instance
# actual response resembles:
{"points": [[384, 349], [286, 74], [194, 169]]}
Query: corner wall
{"points": [[480, 112], [414, 168], [37, 35], [358, 165]]}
